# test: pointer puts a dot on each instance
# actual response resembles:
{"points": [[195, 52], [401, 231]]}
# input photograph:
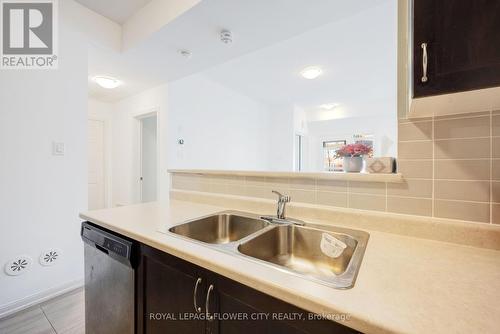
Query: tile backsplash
{"points": [[457, 158], [450, 165]]}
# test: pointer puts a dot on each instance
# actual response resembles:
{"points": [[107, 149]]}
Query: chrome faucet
{"points": [[280, 217], [282, 200]]}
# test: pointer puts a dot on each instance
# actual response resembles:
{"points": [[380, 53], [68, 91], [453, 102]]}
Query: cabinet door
{"points": [[462, 42], [242, 309], [166, 295]]}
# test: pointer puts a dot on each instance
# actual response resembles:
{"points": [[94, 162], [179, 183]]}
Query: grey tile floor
{"points": [[62, 315]]}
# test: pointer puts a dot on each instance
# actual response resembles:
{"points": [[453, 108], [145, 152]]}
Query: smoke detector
{"points": [[226, 36], [185, 53], [49, 257], [18, 265]]}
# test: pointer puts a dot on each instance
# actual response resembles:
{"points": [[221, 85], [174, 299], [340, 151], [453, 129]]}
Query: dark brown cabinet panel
{"points": [[462, 42], [265, 314], [165, 292], [166, 295]]}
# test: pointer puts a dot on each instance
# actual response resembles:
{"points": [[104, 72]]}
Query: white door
{"points": [[96, 164], [148, 159]]}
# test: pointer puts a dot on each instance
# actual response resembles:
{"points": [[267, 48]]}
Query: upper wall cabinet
{"points": [[456, 46]]}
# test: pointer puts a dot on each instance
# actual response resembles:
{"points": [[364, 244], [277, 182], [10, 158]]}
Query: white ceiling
{"points": [[115, 10], [107, 62], [255, 25], [358, 56]]}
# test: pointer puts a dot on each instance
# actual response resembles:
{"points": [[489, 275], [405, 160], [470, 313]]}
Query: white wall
{"points": [[221, 128], [99, 110], [281, 144], [41, 194], [125, 144]]}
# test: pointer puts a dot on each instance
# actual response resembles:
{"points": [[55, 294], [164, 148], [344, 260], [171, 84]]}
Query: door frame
{"points": [[107, 158], [138, 142]]}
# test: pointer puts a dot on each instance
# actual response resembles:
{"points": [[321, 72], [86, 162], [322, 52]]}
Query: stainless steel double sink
{"points": [[285, 246]]}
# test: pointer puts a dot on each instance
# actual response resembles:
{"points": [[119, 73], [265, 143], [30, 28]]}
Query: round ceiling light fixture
{"points": [[107, 82], [311, 72], [329, 106]]}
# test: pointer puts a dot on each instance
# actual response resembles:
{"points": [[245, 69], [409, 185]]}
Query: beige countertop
{"points": [[405, 284]]}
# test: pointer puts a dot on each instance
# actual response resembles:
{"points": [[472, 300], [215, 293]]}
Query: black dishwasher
{"points": [[109, 281]]}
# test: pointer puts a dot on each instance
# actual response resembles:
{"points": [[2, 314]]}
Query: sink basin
{"points": [[297, 249], [221, 228], [281, 244]]}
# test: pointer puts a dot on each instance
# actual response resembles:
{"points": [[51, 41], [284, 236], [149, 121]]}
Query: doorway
{"points": [[148, 158]]}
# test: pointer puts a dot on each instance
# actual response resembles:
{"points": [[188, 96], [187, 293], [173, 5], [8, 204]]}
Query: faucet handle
{"points": [[282, 198], [277, 193]]}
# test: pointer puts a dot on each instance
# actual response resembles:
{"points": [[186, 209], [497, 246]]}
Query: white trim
{"points": [[295, 150], [38, 298]]}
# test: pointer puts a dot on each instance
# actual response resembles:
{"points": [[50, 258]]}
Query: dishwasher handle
{"points": [[102, 249]]}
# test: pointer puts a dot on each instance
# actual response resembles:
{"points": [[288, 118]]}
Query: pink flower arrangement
{"points": [[354, 150]]}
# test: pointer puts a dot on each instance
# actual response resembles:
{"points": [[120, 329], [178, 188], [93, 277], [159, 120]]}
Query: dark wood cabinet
{"points": [[461, 39], [169, 289], [265, 314], [166, 293]]}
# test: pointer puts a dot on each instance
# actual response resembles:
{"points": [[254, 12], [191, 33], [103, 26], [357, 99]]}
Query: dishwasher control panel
{"points": [[116, 247]]}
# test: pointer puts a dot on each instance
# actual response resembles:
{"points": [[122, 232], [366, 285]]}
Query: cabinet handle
{"points": [[197, 309], [424, 62], [207, 303]]}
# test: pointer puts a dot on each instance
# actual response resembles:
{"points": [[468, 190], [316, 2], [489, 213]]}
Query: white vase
{"points": [[353, 164]]}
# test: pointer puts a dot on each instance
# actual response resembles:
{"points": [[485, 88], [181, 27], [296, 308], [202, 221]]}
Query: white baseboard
{"points": [[38, 298]]}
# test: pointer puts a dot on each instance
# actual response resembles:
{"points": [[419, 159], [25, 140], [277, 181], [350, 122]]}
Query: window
{"points": [[331, 162]]}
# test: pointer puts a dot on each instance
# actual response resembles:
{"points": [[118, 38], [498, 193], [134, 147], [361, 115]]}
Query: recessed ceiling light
{"points": [[329, 106], [107, 82], [311, 72]]}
